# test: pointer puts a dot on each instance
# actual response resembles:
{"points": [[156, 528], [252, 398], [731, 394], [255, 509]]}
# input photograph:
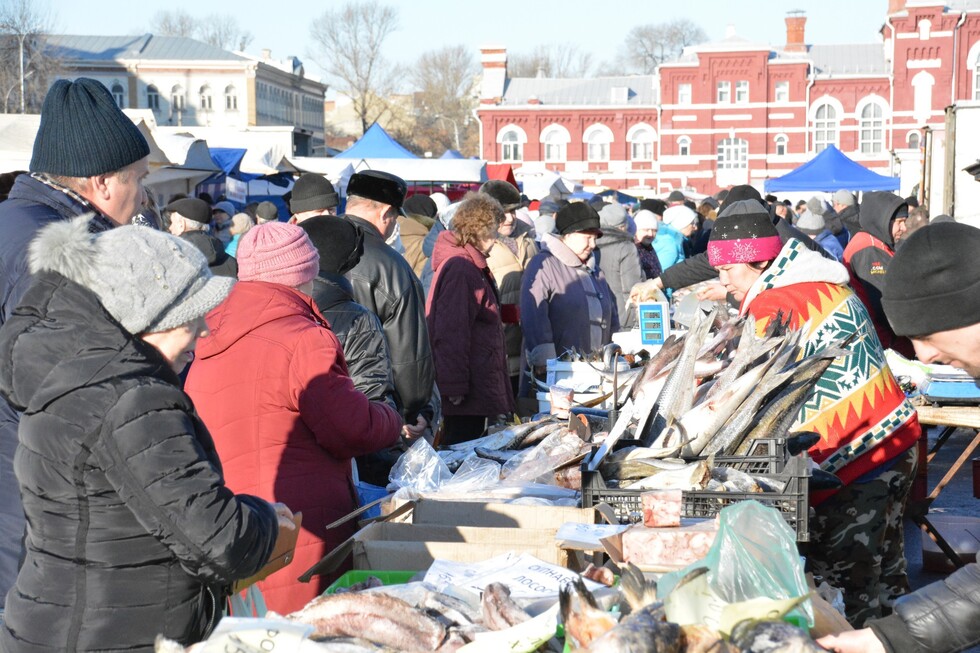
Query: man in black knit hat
{"points": [[932, 295], [88, 158], [312, 195]]}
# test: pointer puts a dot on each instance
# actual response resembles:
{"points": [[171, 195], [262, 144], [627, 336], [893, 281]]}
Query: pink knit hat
{"points": [[277, 252]]}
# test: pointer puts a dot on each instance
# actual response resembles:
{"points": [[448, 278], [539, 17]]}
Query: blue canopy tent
{"points": [[452, 154], [831, 171], [376, 144]]}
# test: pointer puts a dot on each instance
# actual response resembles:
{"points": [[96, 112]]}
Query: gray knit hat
{"points": [[83, 133], [810, 223], [613, 215], [148, 280]]}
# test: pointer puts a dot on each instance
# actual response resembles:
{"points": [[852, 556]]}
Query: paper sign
{"points": [[526, 576], [586, 536]]}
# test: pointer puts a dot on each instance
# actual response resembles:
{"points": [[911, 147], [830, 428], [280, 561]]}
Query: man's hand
{"points": [[455, 400], [645, 290], [714, 292], [853, 641], [285, 516], [412, 432]]}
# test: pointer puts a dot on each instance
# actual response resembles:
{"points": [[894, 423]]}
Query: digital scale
{"points": [[951, 389], [653, 319]]}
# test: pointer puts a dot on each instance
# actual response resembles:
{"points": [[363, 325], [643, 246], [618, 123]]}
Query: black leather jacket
{"points": [[384, 283], [943, 617]]}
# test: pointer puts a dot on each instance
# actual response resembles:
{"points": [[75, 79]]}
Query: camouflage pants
{"points": [[857, 542]]}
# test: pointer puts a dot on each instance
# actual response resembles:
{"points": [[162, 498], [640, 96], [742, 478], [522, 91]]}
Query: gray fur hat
{"points": [[148, 280]]}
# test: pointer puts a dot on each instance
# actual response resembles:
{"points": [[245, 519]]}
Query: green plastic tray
{"points": [[357, 576]]}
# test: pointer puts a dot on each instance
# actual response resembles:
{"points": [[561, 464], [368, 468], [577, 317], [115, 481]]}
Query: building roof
{"points": [[634, 90], [146, 46], [849, 59]]}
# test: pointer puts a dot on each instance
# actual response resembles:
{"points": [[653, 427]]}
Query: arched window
{"points": [[597, 139], [913, 140], [872, 131], [512, 139], [206, 100], [782, 144], [733, 153], [824, 127], [922, 85], [641, 143], [177, 98], [119, 95], [152, 97], [555, 139], [683, 146]]}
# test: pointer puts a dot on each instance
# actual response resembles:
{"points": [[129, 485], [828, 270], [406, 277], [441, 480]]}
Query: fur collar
{"points": [[67, 248]]}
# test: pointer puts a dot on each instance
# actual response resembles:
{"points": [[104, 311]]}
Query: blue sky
{"points": [[596, 26]]}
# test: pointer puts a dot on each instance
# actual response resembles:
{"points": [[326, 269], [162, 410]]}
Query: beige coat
{"points": [[413, 230], [507, 270]]}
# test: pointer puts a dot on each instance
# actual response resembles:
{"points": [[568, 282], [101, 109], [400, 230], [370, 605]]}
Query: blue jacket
{"points": [[831, 243], [669, 245]]}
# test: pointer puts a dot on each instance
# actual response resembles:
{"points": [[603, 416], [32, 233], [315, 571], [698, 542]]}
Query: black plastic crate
{"points": [[767, 458]]}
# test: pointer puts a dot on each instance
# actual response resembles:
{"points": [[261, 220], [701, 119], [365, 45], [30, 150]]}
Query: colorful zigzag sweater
{"points": [[856, 406]]}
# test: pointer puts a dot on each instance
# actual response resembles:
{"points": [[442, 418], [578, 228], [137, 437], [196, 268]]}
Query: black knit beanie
{"points": [[83, 132], [653, 205], [339, 241], [933, 282], [739, 193], [577, 216], [312, 192]]}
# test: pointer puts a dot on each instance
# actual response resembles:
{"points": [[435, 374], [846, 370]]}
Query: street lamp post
{"points": [[455, 129], [21, 37]]}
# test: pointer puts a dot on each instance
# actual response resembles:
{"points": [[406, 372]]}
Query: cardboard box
{"points": [[413, 547]]}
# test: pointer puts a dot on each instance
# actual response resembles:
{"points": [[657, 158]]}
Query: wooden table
{"points": [[950, 418]]}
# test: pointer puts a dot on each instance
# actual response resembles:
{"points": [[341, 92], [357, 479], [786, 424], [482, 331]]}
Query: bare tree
{"points": [[174, 22], [555, 60], [444, 80], [648, 46], [348, 45], [222, 31], [26, 63]]}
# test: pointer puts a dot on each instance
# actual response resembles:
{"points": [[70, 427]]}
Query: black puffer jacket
{"points": [[360, 334], [943, 617], [132, 532], [851, 217], [385, 284]]}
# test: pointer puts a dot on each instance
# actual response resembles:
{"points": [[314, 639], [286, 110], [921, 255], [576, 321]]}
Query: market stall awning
{"points": [[378, 144], [830, 171]]}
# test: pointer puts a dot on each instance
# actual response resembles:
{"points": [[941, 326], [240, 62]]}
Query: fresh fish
{"points": [[451, 609], [693, 476], [668, 353], [581, 615], [497, 455], [707, 367], [633, 469], [749, 349], [722, 337], [499, 610], [375, 617], [602, 575], [643, 631], [703, 639], [701, 423], [501, 439], [535, 436], [677, 395], [639, 453], [734, 480], [800, 441], [772, 637]]}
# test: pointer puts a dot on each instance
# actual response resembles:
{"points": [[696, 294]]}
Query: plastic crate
{"points": [[768, 457], [357, 576]]}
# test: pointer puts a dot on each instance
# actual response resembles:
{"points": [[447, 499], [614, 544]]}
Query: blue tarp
{"points": [[452, 154], [619, 196], [831, 171], [227, 158], [376, 144]]}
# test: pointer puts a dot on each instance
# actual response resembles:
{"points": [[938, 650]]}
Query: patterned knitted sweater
{"points": [[856, 406]]}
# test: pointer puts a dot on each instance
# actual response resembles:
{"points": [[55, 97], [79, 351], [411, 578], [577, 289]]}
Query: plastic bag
{"points": [[474, 474], [248, 603], [420, 469], [538, 464], [754, 555]]}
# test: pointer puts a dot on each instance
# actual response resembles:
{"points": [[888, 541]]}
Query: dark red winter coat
{"points": [[467, 335], [271, 384]]}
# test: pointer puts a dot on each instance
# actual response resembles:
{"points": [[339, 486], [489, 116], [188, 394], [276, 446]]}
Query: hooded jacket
{"points": [[850, 216], [30, 205], [272, 385], [384, 283], [463, 313], [669, 245], [618, 259], [857, 406], [508, 271], [867, 257], [220, 262], [133, 531], [565, 304]]}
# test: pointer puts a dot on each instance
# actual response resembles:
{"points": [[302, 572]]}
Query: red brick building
{"points": [[736, 112]]}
